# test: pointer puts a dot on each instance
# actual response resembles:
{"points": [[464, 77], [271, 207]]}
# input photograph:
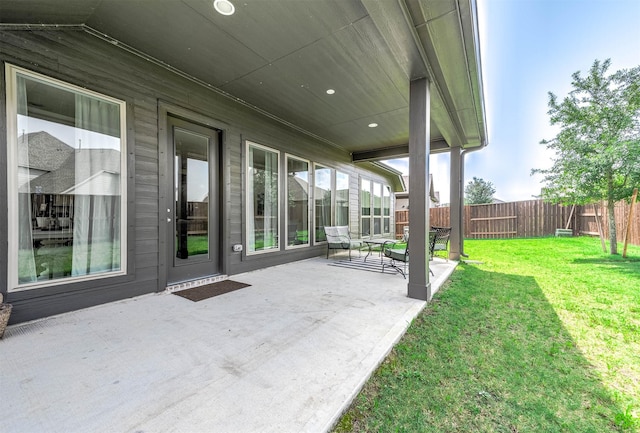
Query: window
{"points": [[66, 190], [262, 199], [297, 202], [342, 199], [375, 208], [322, 197]]}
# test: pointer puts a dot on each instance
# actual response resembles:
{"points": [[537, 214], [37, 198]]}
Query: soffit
{"points": [[282, 56]]}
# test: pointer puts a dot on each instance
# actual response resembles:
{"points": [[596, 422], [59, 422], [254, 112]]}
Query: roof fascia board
{"points": [[471, 32]]}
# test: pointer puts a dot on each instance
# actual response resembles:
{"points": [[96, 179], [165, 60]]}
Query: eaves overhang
{"points": [[279, 58]]}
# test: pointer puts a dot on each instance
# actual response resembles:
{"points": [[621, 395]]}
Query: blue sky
{"points": [[529, 48]]}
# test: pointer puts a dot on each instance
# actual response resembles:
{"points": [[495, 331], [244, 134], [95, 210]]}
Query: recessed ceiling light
{"points": [[373, 125], [224, 7], [330, 91]]}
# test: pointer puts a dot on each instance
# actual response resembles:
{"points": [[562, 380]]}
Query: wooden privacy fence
{"points": [[587, 225], [530, 218]]}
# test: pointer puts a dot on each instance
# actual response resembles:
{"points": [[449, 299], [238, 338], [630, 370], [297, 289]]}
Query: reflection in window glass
{"points": [[262, 199], [322, 191], [342, 199], [365, 207], [377, 199], [377, 208], [386, 209], [191, 185], [297, 202], [69, 197]]}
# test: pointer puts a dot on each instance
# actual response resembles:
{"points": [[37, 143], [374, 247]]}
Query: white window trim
{"points": [[11, 72], [253, 144], [310, 203]]}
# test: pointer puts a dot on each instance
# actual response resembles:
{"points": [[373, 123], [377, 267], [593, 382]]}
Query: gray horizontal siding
{"points": [[80, 59]]}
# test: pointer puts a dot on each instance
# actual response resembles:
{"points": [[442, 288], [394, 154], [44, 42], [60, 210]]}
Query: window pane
{"points": [[377, 225], [297, 202], [365, 198], [69, 149], [191, 186], [342, 199], [386, 209], [377, 199], [365, 207], [366, 226], [262, 206], [322, 193], [386, 201]]}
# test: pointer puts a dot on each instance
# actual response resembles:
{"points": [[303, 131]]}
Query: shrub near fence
{"points": [[530, 218]]}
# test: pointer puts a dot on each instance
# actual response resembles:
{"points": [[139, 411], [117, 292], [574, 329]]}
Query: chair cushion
{"points": [[396, 254]]}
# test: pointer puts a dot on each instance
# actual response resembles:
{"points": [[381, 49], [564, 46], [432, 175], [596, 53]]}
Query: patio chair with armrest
{"points": [[339, 237], [397, 252], [440, 241]]}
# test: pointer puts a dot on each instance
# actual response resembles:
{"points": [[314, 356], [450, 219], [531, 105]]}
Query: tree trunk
{"points": [[613, 235], [611, 214]]}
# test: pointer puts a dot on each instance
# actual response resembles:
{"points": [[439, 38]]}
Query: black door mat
{"points": [[210, 290]]}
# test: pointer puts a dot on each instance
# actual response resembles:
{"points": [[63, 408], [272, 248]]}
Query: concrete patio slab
{"points": [[287, 354]]}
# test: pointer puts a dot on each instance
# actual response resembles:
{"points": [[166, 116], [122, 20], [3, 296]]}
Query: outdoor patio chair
{"points": [[339, 237], [397, 252], [440, 241]]}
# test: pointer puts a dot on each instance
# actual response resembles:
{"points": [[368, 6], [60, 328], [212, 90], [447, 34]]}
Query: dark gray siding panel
{"points": [[3, 186], [78, 58]]}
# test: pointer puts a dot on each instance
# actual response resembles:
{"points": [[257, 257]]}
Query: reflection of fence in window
{"points": [[266, 239], [197, 218], [85, 242]]}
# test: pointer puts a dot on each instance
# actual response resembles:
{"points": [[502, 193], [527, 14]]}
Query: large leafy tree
{"points": [[597, 151], [479, 191]]}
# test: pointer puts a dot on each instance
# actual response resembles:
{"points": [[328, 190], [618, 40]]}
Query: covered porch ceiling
{"points": [[282, 56]]}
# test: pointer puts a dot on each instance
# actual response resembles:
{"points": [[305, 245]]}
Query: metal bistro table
{"points": [[378, 241]]}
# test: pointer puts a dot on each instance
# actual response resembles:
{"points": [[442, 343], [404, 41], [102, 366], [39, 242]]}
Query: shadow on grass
{"points": [[489, 354], [630, 265]]}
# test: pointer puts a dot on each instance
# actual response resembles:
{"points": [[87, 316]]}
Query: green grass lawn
{"points": [[543, 336]]}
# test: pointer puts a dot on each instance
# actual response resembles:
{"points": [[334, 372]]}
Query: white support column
{"points": [[419, 286], [456, 206]]}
